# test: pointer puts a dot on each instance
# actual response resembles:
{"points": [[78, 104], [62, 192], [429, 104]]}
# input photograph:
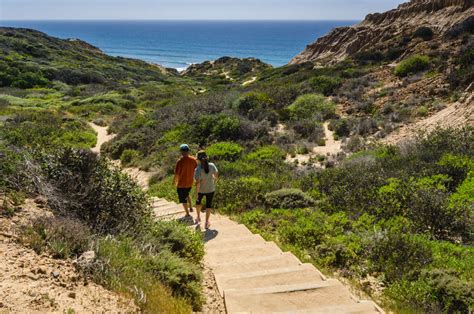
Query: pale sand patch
{"points": [[250, 81], [102, 136], [332, 147]]}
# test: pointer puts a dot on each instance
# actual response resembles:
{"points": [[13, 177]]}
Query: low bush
{"points": [[325, 85], [240, 194], [412, 65], [60, 236], [97, 193], [424, 33], [340, 127], [288, 198], [312, 106], [128, 156], [173, 236], [267, 155], [398, 255], [224, 151], [132, 269]]}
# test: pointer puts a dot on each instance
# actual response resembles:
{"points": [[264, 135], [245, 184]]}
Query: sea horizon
{"points": [[180, 43]]}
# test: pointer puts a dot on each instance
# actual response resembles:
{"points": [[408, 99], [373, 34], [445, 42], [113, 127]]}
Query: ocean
{"points": [[178, 44]]}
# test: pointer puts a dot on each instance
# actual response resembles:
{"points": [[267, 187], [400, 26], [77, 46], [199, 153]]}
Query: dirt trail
{"points": [[331, 147], [102, 136], [38, 283], [141, 177]]}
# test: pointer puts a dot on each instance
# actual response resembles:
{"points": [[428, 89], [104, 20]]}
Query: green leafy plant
{"points": [[412, 65]]}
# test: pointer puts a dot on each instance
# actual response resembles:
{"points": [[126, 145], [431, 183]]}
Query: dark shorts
{"points": [[208, 196], [183, 194]]}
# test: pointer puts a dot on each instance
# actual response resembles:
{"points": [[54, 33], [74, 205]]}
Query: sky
{"points": [[192, 9]]}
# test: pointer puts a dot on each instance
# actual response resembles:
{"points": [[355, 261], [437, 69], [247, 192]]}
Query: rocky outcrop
{"points": [[440, 15]]}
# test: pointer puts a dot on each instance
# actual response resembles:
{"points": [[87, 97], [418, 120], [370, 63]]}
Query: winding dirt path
{"points": [[141, 177], [102, 136]]}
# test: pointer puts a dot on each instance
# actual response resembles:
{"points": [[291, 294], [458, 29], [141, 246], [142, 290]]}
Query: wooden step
{"points": [[285, 259], [242, 254], [288, 298], [305, 273], [234, 242]]}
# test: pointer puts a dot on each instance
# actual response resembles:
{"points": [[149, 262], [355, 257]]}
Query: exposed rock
{"points": [[55, 274], [442, 16], [86, 260]]}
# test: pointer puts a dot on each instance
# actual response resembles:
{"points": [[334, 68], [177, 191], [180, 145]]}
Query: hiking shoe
{"points": [[198, 220]]}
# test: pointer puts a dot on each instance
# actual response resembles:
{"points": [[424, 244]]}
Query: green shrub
{"points": [[253, 104], [224, 151], [176, 238], [312, 105], [325, 85], [132, 269], [398, 254], [267, 154], [424, 33], [128, 156], [422, 111], [240, 194], [79, 139], [97, 193], [217, 127], [62, 237], [288, 198], [164, 189], [340, 127], [435, 291], [412, 65]]}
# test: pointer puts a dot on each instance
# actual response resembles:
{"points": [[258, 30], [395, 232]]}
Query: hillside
{"points": [[388, 31], [31, 58], [305, 157]]}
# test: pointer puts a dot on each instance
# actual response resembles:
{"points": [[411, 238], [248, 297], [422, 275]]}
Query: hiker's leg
{"points": [[190, 203], [209, 198], [198, 207], [208, 215], [183, 199]]}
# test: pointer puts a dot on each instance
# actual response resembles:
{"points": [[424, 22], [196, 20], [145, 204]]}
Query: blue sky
{"points": [[192, 9]]}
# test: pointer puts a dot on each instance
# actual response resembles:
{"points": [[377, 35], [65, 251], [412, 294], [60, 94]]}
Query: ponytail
{"points": [[202, 157], [205, 165]]}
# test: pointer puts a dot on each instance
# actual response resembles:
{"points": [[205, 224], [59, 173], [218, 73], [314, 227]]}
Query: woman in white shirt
{"points": [[205, 175]]}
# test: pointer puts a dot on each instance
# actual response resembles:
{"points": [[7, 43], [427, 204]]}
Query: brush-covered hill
{"points": [[227, 69], [30, 58]]}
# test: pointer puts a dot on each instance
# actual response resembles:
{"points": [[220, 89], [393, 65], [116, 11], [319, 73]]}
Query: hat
{"points": [[201, 155], [184, 148]]}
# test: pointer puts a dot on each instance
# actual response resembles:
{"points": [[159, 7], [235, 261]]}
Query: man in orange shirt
{"points": [[184, 178]]}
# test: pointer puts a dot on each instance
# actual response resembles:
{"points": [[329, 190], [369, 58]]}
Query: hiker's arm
{"points": [[176, 176], [198, 186]]}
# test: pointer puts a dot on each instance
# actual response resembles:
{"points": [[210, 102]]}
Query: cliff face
{"points": [[442, 16]]}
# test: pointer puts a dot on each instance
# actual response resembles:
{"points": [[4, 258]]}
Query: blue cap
{"points": [[184, 147]]}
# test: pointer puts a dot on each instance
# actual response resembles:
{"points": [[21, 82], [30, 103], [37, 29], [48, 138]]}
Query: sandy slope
{"points": [[38, 283], [455, 115]]}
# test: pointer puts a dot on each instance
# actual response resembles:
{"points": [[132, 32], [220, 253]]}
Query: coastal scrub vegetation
{"points": [[397, 221]]}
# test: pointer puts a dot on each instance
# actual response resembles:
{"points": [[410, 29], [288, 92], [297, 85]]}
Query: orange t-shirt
{"points": [[185, 171]]}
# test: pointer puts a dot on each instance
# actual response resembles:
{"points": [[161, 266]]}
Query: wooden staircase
{"points": [[255, 276]]}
